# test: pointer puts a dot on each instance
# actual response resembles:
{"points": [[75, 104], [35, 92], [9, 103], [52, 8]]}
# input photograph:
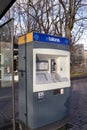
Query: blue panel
{"points": [[50, 39]]}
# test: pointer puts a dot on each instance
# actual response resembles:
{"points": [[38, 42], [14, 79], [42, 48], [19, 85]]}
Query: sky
{"points": [[83, 12]]}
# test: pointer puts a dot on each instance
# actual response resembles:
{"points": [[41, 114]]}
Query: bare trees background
{"points": [[58, 17]]}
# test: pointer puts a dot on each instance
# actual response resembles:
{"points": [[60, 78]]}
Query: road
{"points": [[78, 104]]}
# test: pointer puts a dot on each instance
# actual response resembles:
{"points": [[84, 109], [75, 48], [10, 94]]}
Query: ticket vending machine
{"points": [[44, 79]]}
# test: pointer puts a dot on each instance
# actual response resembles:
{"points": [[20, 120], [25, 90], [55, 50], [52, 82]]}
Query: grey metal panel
{"points": [[50, 46], [52, 108], [22, 87], [22, 57], [30, 83], [22, 109]]}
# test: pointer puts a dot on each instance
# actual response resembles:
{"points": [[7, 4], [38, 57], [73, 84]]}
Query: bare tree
{"points": [[58, 17], [73, 18]]}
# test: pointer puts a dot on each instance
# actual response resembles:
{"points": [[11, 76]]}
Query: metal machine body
{"points": [[44, 79]]}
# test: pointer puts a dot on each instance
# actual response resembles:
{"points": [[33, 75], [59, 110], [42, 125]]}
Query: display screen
{"points": [[42, 65]]}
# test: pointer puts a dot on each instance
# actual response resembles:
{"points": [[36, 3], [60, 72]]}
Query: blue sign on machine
{"points": [[50, 39]]}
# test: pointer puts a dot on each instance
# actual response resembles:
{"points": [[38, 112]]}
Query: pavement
{"points": [[6, 105], [78, 106]]}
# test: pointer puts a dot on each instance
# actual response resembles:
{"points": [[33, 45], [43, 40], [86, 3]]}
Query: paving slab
{"points": [[78, 106]]}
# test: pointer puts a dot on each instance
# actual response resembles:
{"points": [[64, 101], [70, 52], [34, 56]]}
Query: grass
{"points": [[65, 127], [78, 74]]}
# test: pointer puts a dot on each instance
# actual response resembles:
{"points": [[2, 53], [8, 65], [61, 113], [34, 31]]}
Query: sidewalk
{"points": [[78, 109], [6, 105], [78, 106]]}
